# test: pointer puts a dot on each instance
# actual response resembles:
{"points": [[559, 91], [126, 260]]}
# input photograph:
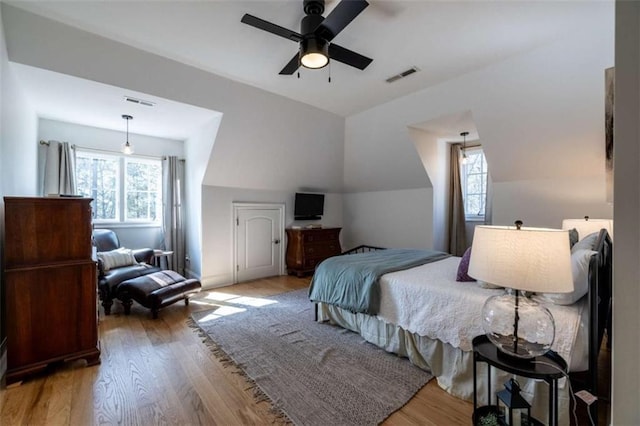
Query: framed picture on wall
{"points": [[608, 127]]}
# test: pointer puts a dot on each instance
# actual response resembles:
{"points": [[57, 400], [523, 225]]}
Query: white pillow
{"points": [[585, 243], [580, 270], [116, 258]]}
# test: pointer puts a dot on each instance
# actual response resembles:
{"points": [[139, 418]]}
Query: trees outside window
{"points": [[474, 184], [124, 189]]}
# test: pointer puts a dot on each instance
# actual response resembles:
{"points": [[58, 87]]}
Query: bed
{"points": [[414, 310]]}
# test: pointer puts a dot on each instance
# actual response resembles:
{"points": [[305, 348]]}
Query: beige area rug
{"points": [[313, 373]]}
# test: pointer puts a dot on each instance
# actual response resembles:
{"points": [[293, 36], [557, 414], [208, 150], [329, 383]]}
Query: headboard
{"points": [[599, 302]]}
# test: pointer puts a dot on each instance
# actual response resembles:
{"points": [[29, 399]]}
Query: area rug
{"points": [[313, 373]]}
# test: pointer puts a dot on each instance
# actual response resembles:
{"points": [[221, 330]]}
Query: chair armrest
{"points": [[100, 268], [143, 255]]}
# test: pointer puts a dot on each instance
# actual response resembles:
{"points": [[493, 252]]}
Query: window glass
{"points": [[474, 183], [143, 185], [123, 188], [97, 177]]}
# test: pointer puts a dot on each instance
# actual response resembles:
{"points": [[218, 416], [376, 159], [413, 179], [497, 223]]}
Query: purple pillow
{"points": [[463, 267]]}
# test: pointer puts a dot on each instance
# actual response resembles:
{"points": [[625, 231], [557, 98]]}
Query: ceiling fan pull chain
{"points": [[298, 74], [329, 71]]}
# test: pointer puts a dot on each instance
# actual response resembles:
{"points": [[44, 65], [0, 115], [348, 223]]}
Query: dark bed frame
{"points": [[599, 301]]}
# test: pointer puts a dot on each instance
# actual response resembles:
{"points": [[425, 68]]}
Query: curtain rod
{"points": [[106, 151]]}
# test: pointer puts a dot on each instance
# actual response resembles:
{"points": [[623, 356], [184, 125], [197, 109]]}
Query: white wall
{"points": [[540, 116], [109, 140], [625, 407], [18, 131], [197, 153], [434, 153], [545, 202], [217, 225], [398, 219], [19, 138]]}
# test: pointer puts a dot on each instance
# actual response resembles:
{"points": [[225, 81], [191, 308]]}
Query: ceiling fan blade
{"points": [[345, 12], [292, 66], [349, 57], [269, 27]]}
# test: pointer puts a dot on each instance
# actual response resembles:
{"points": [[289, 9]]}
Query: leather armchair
{"points": [[108, 281]]}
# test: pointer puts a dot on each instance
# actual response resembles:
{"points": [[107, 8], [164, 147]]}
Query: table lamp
{"points": [[527, 259], [587, 225]]}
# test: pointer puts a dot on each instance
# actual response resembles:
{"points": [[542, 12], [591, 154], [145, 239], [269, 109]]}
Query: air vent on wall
{"points": [[139, 101], [403, 74]]}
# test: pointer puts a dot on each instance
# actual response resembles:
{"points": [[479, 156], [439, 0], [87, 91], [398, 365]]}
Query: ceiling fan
{"points": [[316, 35]]}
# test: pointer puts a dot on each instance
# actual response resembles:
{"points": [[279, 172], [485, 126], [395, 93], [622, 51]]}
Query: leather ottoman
{"points": [[157, 290]]}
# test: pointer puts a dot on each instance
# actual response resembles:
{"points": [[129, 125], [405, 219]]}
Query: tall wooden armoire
{"points": [[50, 279]]}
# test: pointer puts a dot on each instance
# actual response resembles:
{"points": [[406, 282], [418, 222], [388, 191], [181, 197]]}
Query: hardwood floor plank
{"points": [[161, 372]]}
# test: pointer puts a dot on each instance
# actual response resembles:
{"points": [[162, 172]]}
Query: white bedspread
{"points": [[450, 311]]}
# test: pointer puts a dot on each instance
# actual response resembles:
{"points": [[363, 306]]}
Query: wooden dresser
{"points": [[50, 278], [308, 247]]}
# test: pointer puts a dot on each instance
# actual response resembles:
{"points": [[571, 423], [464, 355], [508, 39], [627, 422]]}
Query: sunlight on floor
{"points": [[225, 304], [222, 311], [238, 300]]}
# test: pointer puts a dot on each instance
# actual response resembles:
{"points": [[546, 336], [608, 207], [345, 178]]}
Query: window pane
{"points": [[143, 186], [97, 177], [474, 182]]}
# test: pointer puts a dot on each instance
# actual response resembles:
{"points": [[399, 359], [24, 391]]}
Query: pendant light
{"points": [[127, 148], [465, 160]]}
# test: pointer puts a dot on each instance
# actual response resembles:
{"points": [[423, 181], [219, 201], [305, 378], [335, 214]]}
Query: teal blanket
{"points": [[351, 281]]}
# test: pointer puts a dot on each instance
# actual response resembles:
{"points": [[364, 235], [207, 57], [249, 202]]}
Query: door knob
{"points": [[276, 241]]}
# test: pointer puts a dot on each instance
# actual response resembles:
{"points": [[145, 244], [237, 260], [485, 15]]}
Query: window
{"points": [[124, 189], [474, 184]]}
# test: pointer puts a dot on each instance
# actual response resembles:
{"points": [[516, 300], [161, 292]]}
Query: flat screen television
{"points": [[308, 206]]}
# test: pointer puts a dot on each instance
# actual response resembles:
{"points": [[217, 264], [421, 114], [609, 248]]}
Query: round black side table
{"points": [[549, 367]]}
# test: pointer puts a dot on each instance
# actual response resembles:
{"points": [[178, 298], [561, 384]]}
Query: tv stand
{"points": [[307, 247]]}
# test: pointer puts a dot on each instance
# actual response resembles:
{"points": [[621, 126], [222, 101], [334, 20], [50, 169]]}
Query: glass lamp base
{"points": [[518, 326]]}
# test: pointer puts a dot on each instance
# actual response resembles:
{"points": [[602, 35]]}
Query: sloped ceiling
{"points": [[444, 39]]}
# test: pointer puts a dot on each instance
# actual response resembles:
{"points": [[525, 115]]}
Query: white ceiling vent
{"points": [[403, 74], [139, 101]]}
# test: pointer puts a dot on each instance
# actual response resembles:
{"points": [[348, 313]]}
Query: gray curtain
{"points": [[173, 218], [457, 223], [488, 206], [57, 168]]}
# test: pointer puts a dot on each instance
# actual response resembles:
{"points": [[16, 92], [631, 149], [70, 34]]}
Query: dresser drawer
{"points": [[321, 250], [306, 248], [320, 236]]}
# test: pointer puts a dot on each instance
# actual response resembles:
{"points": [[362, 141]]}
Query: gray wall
{"points": [[625, 408]]}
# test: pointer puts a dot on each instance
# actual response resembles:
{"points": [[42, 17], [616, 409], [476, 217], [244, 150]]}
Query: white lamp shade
{"points": [[530, 259], [588, 226]]}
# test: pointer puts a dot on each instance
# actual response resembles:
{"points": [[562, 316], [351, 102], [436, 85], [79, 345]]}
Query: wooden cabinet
{"points": [[308, 247], [50, 278]]}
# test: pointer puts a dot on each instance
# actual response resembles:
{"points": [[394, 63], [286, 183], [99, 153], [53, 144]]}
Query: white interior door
{"points": [[259, 241]]}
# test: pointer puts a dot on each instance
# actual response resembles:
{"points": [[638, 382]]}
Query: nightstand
{"points": [[159, 255], [552, 369]]}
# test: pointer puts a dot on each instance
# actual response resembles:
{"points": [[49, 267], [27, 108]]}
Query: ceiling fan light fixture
{"points": [[314, 52]]}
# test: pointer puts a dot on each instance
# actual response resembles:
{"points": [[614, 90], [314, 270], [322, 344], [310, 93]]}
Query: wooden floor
{"points": [[160, 372]]}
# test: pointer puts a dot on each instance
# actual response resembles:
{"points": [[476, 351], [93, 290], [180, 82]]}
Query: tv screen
{"points": [[308, 206]]}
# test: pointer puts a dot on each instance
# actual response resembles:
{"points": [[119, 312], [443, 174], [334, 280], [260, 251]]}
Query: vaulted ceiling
{"points": [[443, 39]]}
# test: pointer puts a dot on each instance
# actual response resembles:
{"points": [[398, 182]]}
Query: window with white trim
{"points": [[474, 184], [124, 189]]}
